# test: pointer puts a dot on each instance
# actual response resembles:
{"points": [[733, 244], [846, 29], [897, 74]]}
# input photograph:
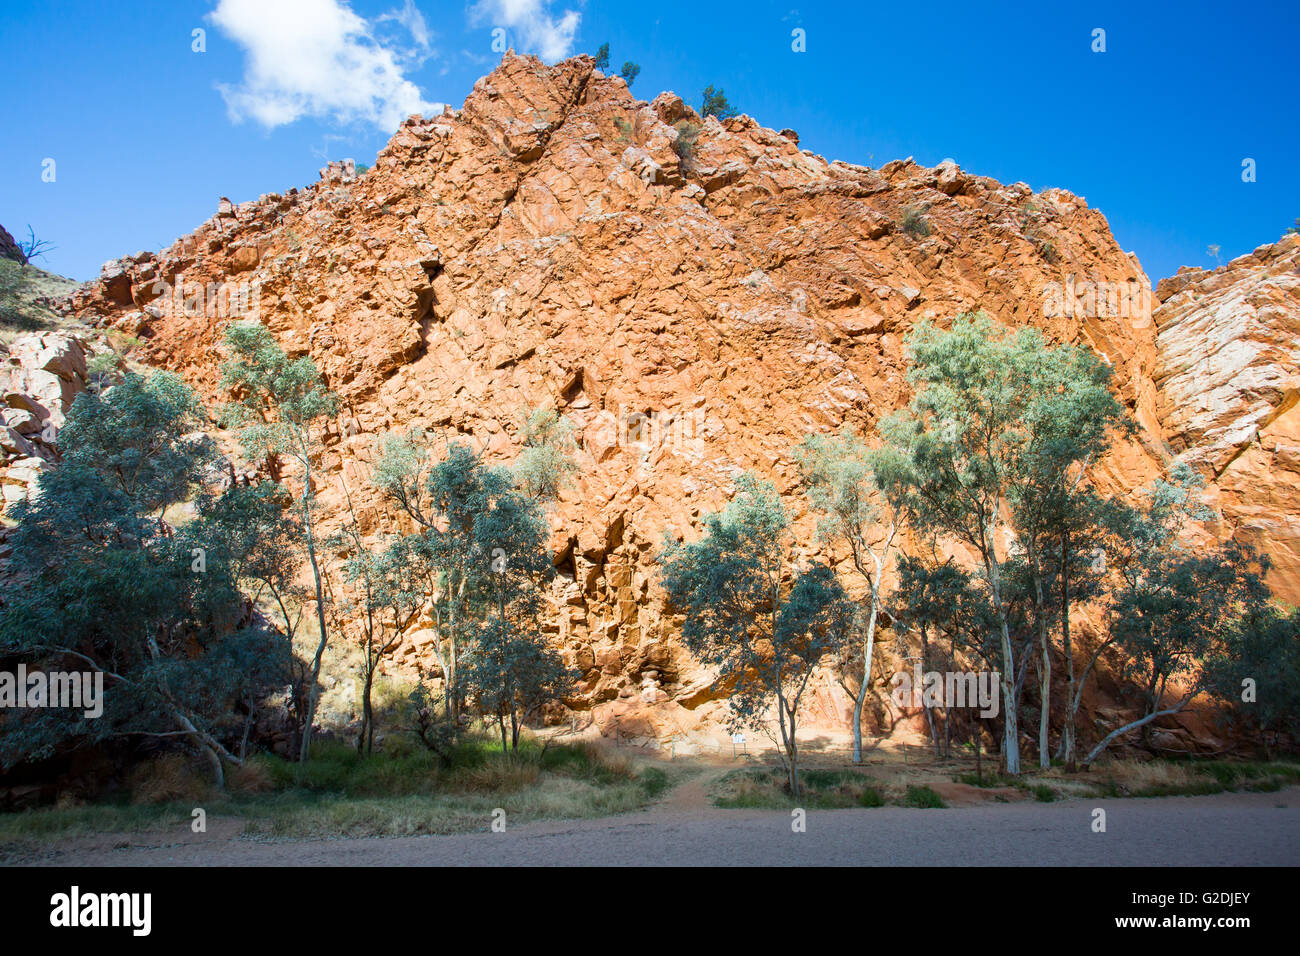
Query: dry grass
{"points": [[19, 288], [171, 778], [507, 774], [1157, 776], [250, 779], [341, 794]]}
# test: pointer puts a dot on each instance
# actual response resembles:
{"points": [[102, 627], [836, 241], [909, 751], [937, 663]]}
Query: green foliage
{"points": [[914, 222], [1265, 649], [131, 437], [966, 427], [481, 546], [1184, 608], [385, 593], [630, 72], [547, 463], [763, 637], [714, 103], [762, 789], [110, 587], [510, 668], [924, 798], [602, 57], [17, 314], [843, 476], [684, 145], [278, 398], [945, 599], [996, 438], [104, 369]]}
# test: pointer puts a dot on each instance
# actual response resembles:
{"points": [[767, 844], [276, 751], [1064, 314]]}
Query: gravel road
{"points": [[1237, 829]]}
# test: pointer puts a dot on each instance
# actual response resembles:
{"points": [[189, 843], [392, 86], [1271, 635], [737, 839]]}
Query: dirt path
{"points": [[1235, 829]]}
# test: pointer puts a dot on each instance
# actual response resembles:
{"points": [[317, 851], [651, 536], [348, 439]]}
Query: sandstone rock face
{"points": [[694, 296], [40, 377], [1228, 345], [9, 247]]}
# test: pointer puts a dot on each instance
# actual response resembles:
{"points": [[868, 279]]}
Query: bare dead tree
{"points": [[33, 248]]}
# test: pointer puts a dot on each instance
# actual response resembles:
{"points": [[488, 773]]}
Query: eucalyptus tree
{"points": [[510, 668], [445, 499], [762, 622], [109, 586], [1258, 678], [253, 532], [1069, 420], [1183, 610], [843, 476], [964, 435], [279, 404], [941, 599], [385, 598], [1132, 538]]}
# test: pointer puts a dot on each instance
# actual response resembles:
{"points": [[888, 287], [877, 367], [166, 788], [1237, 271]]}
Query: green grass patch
{"points": [[923, 798], [765, 788]]}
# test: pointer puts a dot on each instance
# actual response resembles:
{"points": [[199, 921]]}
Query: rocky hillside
{"points": [[1228, 343], [694, 295], [40, 377]]}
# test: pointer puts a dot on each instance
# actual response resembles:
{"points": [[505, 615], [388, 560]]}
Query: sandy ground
{"points": [[1233, 829]]}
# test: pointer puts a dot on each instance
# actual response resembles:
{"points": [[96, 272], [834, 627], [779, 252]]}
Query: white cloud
{"points": [[413, 20], [535, 29], [317, 58]]}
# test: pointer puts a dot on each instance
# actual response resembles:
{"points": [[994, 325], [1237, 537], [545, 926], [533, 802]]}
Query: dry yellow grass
{"points": [[168, 778]]}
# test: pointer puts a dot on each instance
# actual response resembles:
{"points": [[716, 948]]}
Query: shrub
{"points": [[684, 144], [914, 222], [870, 797], [923, 797]]}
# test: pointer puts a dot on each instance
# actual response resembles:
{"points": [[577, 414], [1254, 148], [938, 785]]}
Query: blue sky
{"points": [[146, 134]]}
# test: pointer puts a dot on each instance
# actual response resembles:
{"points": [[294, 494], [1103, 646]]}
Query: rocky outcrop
{"points": [[9, 247], [694, 295], [1228, 374], [40, 377]]}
